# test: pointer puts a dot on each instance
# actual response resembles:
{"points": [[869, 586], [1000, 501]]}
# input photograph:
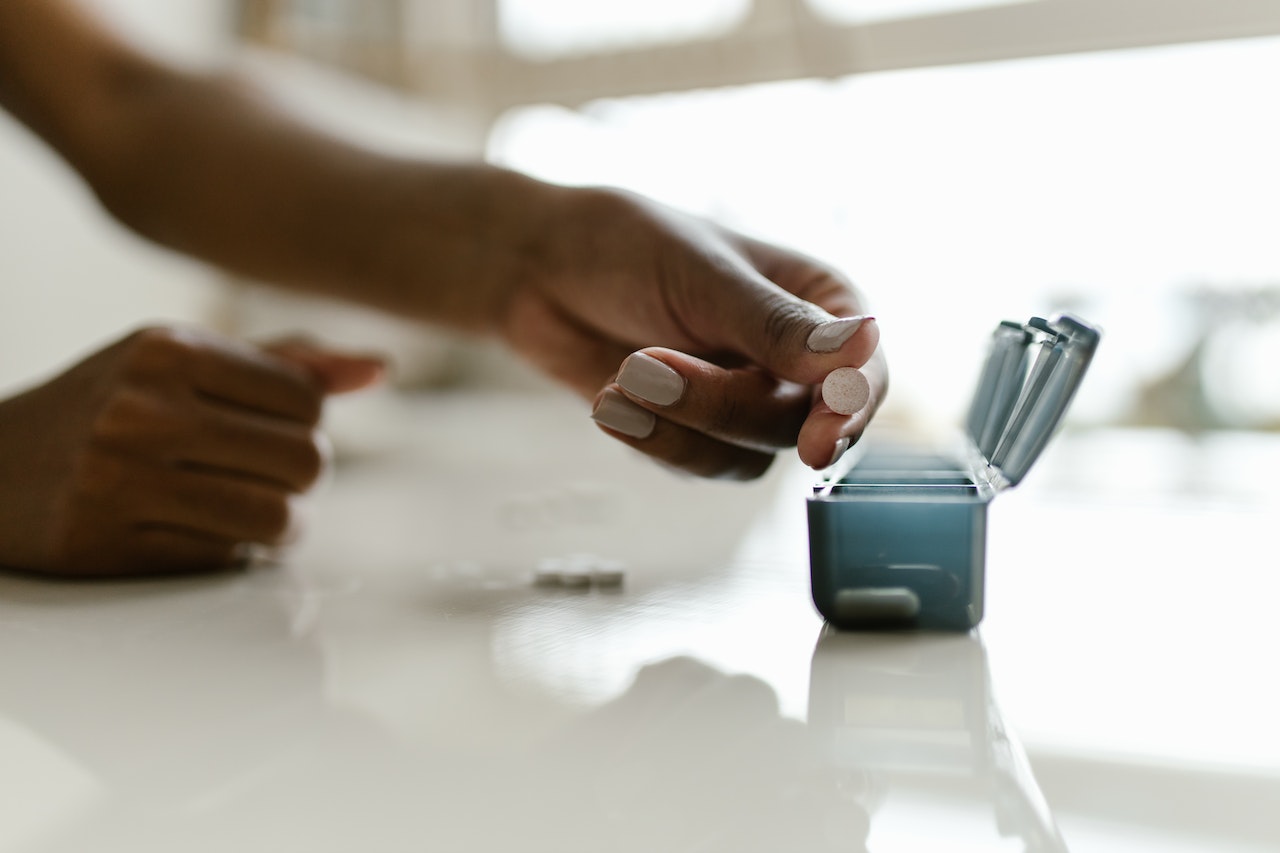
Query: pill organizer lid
{"points": [[1030, 376]]}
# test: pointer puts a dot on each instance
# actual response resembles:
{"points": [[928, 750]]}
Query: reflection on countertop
{"points": [[192, 715], [399, 684], [910, 718]]}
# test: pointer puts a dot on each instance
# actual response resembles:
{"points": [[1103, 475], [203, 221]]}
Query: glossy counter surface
{"points": [[399, 684]]}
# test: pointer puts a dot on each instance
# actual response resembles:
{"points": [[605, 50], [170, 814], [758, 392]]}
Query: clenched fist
{"points": [[169, 451]]}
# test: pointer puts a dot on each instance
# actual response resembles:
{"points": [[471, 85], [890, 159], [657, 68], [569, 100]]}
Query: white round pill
{"points": [[575, 577], [608, 573], [846, 390], [548, 572]]}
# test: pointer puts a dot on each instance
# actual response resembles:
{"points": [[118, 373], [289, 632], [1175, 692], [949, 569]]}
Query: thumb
{"points": [[806, 344], [337, 372], [797, 337]]}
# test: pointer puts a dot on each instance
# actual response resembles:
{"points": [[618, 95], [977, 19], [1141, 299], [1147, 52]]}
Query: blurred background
{"points": [[965, 161]]}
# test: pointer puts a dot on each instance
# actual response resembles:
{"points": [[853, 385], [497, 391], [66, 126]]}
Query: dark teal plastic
{"points": [[897, 538]]}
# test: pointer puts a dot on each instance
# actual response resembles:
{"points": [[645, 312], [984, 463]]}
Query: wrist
{"points": [[450, 244], [581, 228]]}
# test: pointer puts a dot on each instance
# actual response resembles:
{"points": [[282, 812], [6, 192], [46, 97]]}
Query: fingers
{"points": [[677, 446], [337, 372], [699, 417], [162, 549], [250, 380], [218, 506], [743, 406], [255, 409], [138, 518], [253, 446], [794, 317], [157, 423], [167, 451], [799, 320], [725, 422], [221, 369], [827, 435]]}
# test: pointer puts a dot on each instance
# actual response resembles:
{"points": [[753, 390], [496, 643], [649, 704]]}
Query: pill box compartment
{"points": [[899, 541], [897, 533]]}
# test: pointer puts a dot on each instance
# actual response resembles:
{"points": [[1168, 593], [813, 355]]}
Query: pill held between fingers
{"points": [[846, 390]]}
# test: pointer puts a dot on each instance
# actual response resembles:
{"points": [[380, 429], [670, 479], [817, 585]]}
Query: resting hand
{"points": [[167, 451], [734, 336]]}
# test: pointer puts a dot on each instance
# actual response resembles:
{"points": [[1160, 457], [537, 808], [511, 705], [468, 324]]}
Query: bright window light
{"points": [[863, 11], [549, 28], [1131, 187]]}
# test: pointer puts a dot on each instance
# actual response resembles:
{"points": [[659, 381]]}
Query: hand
{"points": [[168, 451], [736, 336]]}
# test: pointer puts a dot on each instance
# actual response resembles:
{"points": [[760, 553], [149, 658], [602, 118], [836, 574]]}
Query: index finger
{"points": [[246, 377], [826, 435]]}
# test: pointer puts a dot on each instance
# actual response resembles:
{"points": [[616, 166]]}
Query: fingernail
{"points": [[829, 337], [650, 379], [621, 415], [841, 446]]}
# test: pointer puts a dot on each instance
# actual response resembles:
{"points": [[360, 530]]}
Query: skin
{"points": [[573, 279], [168, 451]]}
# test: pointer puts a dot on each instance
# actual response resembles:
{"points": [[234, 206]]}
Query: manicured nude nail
{"points": [[649, 379], [846, 390], [841, 446], [621, 415], [829, 337]]}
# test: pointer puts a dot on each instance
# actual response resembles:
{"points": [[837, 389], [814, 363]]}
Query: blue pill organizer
{"points": [[897, 534]]}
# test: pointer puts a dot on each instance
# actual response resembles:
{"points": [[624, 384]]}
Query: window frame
{"points": [[787, 39]]}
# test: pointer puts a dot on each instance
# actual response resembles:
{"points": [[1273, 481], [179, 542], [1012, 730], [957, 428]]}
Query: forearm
{"points": [[215, 172], [204, 164]]}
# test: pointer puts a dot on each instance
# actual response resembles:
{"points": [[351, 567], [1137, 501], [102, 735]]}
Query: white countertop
{"points": [[400, 684]]}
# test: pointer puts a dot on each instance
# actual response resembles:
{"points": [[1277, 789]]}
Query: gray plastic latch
{"points": [[877, 604]]}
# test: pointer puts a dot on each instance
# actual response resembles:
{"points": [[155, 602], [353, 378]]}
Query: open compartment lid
{"points": [[1027, 382]]}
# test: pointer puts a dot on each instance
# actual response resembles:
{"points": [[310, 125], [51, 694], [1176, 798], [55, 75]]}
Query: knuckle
{"points": [[302, 403], [785, 319], [151, 335], [155, 350], [726, 416], [312, 407], [130, 418], [312, 459], [159, 552], [156, 339], [99, 479], [273, 519]]}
